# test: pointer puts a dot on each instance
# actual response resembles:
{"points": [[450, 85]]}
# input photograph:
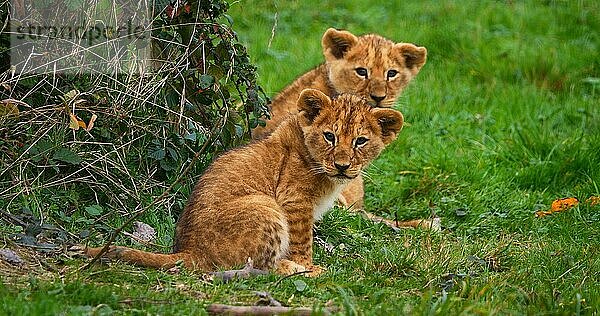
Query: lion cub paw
{"points": [[315, 271], [287, 267]]}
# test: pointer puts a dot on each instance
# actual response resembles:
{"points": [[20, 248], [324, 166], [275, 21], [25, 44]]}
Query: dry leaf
{"points": [[143, 231], [8, 108], [593, 200], [73, 122], [91, 123], [71, 94], [564, 204], [11, 257], [559, 206], [542, 213]]}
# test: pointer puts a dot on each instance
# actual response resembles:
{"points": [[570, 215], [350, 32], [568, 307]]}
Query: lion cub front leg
{"points": [[300, 251]]}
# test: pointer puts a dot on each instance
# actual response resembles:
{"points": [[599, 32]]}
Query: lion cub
{"points": [[260, 201], [369, 66]]}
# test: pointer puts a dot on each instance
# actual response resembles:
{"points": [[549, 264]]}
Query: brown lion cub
{"points": [[260, 201]]}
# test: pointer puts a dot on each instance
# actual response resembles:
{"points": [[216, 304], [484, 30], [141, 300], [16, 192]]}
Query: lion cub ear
{"points": [[391, 122], [311, 102], [414, 56], [336, 43]]}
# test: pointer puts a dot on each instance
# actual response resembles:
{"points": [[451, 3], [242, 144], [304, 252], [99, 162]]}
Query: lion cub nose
{"points": [[342, 167], [377, 98]]}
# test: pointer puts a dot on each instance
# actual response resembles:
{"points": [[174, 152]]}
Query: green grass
{"points": [[503, 119]]}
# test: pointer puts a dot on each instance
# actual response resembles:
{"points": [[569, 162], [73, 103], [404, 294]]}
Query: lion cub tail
{"points": [[144, 258]]}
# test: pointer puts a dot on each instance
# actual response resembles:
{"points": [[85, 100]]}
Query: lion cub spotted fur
{"points": [[260, 201], [369, 66]]}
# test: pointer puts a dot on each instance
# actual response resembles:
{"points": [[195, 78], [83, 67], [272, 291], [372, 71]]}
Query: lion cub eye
{"points": [[361, 72], [392, 73], [360, 141], [329, 137]]}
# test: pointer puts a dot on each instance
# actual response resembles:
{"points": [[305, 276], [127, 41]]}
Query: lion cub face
{"points": [[344, 134], [370, 65]]}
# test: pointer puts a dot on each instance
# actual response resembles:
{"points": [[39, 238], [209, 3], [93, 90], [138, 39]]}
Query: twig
{"points": [[289, 276], [575, 266], [9, 217], [432, 224], [163, 195], [273, 30], [131, 301], [246, 272]]}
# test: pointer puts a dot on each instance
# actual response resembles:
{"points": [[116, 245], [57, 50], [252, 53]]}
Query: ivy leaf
{"points": [[172, 153], [206, 81], [228, 18], [158, 154], [191, 136], [94, 210], [67, 155], [300, 285], [168, 164]]}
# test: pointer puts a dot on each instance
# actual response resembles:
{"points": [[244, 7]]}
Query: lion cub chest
{"points": [[326, 202]]}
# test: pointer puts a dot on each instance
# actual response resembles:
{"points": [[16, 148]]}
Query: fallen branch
{"points": [[220, 309]]}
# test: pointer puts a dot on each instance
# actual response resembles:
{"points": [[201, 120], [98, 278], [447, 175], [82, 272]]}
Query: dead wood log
{"points": [[222, 309]]}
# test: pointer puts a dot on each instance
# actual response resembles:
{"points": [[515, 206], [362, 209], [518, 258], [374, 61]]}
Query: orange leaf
{"points": [[559, 206], [564, 204], [75, 123], [542, 213]]}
